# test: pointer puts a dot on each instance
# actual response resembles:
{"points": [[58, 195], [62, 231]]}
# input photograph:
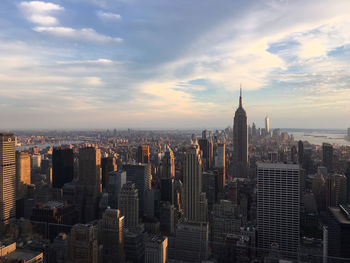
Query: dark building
{"points": [[204, 147], [108, 164], [240, 142], [62, 166], [59, 218], [294, 154], [134, 247], [300, 152], [167, 190], [339, 233], [327, 156], [143, 154], [140, 174]]}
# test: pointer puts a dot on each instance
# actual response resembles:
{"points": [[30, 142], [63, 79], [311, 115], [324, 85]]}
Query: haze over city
{"points": [[173, 64]]}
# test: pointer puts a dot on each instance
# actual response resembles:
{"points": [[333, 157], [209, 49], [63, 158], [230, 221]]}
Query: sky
{"points": [[173, 64]]}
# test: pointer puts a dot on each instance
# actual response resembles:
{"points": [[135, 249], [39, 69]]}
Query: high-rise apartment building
{"points": [[192, 183], [83, 246], [336, 193], [7, 177], [278, 207], [129, 205], [89, 184], [112, 227], [22, 173], [62, 166], [140, 174], [143, 154], [240, 142], [327, 154]]}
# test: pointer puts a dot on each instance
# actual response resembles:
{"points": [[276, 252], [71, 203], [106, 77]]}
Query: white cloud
{"points": [[40, 13], [109, 16], [93, 81], [85, 34]]}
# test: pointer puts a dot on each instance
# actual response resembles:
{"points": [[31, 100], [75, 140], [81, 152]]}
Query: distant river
{"points": [[43, 146], [319, 137]]}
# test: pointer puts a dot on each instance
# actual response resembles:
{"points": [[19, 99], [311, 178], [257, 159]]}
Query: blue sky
{"points": [[173, 64]]}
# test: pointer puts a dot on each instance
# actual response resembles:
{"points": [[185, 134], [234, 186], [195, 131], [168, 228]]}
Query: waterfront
{"points": [[318, 137]]}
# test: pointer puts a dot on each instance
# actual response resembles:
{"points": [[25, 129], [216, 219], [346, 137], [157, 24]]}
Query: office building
{"points": [[167, 176], [112, 229], [336, 190], [240, 142], [327, 154], [192, 183], [204, 150], [7, 177], [339, 233], [278, 207], [9, 254], [62, 167], [191, 242], [89, 186], [134, 246], [300, 152], [83, 245], [168, 164], [140, 174], [209, 186], [267, 125], [108, 164], [156, 249], [143, 154], [22, 173], [115, 183], [167, 218], [36, 161], [129, 205], [59, 249]]}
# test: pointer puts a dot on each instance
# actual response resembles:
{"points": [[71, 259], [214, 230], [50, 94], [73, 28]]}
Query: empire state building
{"points": [[240, 142]]}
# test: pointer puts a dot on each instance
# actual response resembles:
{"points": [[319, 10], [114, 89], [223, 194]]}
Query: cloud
{"points": [[108, 16], [85, 34], [40, 13]]}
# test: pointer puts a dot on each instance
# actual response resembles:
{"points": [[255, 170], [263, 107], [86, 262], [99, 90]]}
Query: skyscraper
{"points": [[167, 176], [22, 173], [108, 164], [129, 205], [240, 142], [62, 166], [7, 177], [220, 166], [192, 183], [143, 154], [327, 154], [339, 233], [168, 164], [267, 124], [140, 174], [83, 246], [112, 226], [89, 184], [278, 209], [300, 152], [204, 147], [336, 193]]}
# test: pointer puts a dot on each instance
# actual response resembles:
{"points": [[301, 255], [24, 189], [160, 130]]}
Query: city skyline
{"points": [[127, 64]]}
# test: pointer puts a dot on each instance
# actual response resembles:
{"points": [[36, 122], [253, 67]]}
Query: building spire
{"points": [[240, 95]]}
